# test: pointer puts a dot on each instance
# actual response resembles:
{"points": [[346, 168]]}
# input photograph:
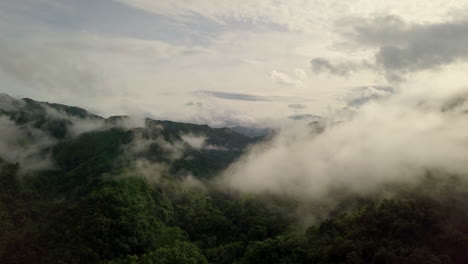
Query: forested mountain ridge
{"points": [[117, 190]]}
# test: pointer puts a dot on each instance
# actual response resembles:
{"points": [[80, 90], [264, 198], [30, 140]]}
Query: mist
{"points": [[389, 140], [24, 145]]}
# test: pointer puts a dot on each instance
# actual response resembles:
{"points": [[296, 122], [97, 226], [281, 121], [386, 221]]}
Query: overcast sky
{"points": [[228, 62]]}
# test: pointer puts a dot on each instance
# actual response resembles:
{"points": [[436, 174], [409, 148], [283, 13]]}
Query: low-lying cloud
{"points": [[196, 142], [394, 140], [24, 145], [199, 142], [358, 96]]}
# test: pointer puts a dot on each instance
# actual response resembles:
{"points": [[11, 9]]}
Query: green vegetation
{"points": [[86, 213], [54, 119], [95, 207]]}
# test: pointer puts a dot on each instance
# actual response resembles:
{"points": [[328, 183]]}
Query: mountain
{"points": [[252, 132], [72, 127], [55, 119], [79, 188]]}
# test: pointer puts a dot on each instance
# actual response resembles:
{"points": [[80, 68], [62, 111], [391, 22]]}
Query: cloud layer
{"points": [[393, 140]]}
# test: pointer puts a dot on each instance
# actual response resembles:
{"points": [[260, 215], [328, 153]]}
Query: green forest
{"points": [[94, 206]]}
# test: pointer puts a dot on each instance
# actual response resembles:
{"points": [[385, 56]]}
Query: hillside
{"points": [[118, 190]]}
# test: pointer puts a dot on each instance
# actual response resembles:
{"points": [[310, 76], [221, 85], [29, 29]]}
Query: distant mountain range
{"points": [[27, 110], [204, 150]]}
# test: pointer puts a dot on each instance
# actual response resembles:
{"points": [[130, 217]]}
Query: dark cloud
{"points": [[308, 117], [297, 106], [401, 47], [320, 65], [248, 97], [424, 47]]}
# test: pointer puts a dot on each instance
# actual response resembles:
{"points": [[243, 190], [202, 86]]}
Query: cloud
{"points": [[248, 97], [199, 142], [74, 62], [128, 46], [197, 104], [24, 145], [47, 114], [297, 106], [100, 72], [406, 47], [50, 70], [284, 79], [193, 182], [151, 152], [268, 12], [143, 144], [321, 65], [215, 147], [385, 142], [8, 103], [196, 142], [121, 57], [358, 96], [73, 124], [215, 113], [401, 47], [149, 170], [91, 70], [291, 14], [102, 17], [308, 117]]}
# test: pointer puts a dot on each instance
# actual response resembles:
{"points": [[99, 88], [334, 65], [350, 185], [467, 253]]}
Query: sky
{"points": [[224, 62]]}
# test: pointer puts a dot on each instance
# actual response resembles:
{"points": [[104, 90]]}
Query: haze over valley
{"points": [[137, 132]]}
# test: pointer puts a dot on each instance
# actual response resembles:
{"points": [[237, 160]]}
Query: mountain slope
{"points": [[109, 191]]}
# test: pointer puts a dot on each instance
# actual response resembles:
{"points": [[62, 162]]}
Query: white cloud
{"points": [[195, 141], [24, 145], [296, 14], [392, 141], [285, 79], [228, 46], [198, 142]]}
